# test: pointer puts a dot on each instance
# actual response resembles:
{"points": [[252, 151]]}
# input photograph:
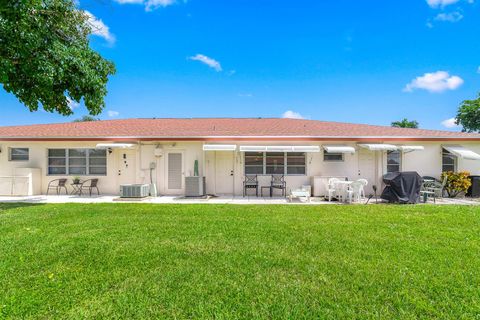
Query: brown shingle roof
{"points": [[220, 128]]}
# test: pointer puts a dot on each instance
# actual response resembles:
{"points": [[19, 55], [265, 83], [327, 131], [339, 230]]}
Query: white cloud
{"points": [[72, 104], [478, 69], [450, 123], [113, 114], [212, 63], [149, 4], [154, 4], [440, 3], [245, 95], [292, 115], [449, 17], [435, 82], [99, 28]]}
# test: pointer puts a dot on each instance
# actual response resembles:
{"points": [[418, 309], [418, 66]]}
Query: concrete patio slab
{"points": [[211, 200]]}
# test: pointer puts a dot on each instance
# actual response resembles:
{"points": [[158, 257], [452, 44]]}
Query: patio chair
{"points": [[430, 178], [425, 191], [57, 184], [278, 182], [89, 185], [250, 182], [364, 183], [438, 187], [331, 188], [354, 192]]}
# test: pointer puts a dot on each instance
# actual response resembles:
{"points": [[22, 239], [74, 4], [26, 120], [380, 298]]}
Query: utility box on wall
{"points": [[23, 182]]}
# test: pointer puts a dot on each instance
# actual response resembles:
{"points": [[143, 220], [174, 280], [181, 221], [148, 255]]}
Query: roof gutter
{"points": [[244, 138]]}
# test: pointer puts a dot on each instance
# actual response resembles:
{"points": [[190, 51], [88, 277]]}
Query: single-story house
{"points": [[163, 152]]}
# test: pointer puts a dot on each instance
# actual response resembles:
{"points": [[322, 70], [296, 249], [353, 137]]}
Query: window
{"points": [[296, 163], [449, 161], [254, 163], [275, 163], [77, 162], [327, 156], [394, 159], [97, 162], [19, 154], [57, 161], [266, 163]]}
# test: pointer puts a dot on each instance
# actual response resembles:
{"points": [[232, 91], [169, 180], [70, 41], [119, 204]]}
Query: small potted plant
{"points": [[76, 180]]}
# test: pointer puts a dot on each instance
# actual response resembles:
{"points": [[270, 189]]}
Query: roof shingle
{"points": [[219, 128]]}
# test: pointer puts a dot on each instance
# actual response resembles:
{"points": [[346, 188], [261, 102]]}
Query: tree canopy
{"points": [[405, 123], [45, 57], [86, 118], [468, 115]]}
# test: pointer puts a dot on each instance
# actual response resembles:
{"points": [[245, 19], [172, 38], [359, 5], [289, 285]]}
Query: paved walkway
{"points": [[211, 200]]}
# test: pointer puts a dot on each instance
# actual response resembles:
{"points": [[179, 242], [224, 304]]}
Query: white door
{"points": [[366, 168], [175, 173], [224, 172], [126, 164]]}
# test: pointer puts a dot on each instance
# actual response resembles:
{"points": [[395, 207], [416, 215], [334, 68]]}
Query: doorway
{"points": [[224, 179], [126, 161], [175, 172], [367, 168]]}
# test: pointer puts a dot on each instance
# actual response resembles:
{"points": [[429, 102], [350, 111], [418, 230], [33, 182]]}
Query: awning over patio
{"points": [[379, 147], [219, 147], [411, 148], [462, 152], [339, 149], [280, 148], [115, 145]]}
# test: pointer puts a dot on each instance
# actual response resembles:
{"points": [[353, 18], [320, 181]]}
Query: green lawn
{"points": [[230, 262]]}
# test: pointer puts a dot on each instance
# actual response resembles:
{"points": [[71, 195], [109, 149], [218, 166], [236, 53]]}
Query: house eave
{"points": [[243, 138]]}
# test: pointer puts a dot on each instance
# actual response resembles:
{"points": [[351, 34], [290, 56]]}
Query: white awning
{"points": [[114, 145], [379, 147], [339, 149], [280, 148], [219, 147], [306, 149], [411, 148], [462, 152], [253, 148]]}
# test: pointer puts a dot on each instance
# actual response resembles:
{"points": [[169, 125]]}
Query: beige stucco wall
{"points": [[427, 162], [38, 159]]}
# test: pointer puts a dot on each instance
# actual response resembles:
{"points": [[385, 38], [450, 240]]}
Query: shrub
{"points": [[457, 182]]}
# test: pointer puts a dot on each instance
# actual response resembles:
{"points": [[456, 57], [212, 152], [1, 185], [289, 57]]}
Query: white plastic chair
{"points": [[342, 192], [354, 193], [364, 183], [331, 188]]}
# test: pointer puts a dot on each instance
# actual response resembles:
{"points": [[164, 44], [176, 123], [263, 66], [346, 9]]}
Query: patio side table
{"points": [[266, 187], [77, 188]]}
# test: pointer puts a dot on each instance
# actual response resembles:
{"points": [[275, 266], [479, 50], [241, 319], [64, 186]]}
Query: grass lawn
{"points": [[230, 262]]}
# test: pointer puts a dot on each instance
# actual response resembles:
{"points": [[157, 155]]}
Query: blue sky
{"points": [[365, 61]]}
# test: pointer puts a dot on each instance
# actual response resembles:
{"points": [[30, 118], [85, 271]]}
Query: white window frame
{"points": [[400, 157], [333, 153], [67, 163], [10, 152], [455, 159], [285, 164]]}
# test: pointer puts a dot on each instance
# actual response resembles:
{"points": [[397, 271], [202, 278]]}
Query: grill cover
{"points": [[402, 187]]}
